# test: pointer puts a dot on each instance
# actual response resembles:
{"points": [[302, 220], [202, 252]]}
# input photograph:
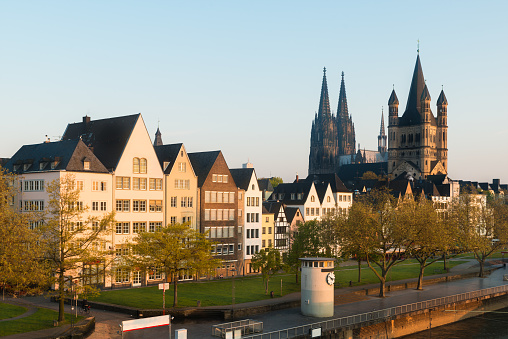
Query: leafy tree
{"points": [[369, 175], [176, 248], [269, 261], [275, 181], [430, 234], [385, 239], [22, 266], [482, 226], [71, 239]]}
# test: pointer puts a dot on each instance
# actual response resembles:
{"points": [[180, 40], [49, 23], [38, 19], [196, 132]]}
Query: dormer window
{"points": [[54, 164], [26, 166], [86, 165], [16, 167], [293, 196], [166, 164], [300, 196], [42, 165]]}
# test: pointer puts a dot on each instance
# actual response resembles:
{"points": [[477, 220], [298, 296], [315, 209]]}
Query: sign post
{"points": [[164, 287]]}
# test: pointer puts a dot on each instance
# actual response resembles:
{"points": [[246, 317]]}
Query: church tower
{"points": [[417, 140], [345, 126], [323, 137], [381, 139], [158, 138]]}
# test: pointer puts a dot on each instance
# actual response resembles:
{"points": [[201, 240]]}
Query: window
{"points": [[123, 183], [312, 198], [257, 201], [34, 185], [79, 185], [126, 228], [189, 202], [307, 211], [135, 184], [327, 199], [135, 165], [214, 177], [135, 227], [123, 205], [33, 205], [155, 205], [312, 211], [142, 184], [95, 226], [267, 219], [152, 184], [183, 202], [231, 197], [139, 205], [158, 184], [263, 243], [86, 165], [122, 275], [151, 227], [142, 165], [225, 179], [118, 228], [248, 201], [99, 185], [173, 201], [95, 205], [232, 214], [182, 184], [182, 167], [173, 220], [207, 214], [263, 231], [269, 230]]}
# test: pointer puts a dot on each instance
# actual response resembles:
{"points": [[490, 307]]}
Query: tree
{"points": [[385, 240], [430, 234], [269, 262], [369, 175], [482, 225], [22, 266], [71, 239], [175, 249], [275, 181]]}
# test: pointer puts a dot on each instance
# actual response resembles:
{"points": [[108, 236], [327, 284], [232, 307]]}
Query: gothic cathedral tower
{"points": [[323, 137], [345, 126], [417, 141]]}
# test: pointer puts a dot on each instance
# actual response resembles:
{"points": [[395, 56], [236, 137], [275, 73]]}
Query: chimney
{"points": [[296, 177], [86, 119], [496, 181]]}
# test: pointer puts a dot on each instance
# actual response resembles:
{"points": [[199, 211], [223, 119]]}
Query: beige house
{"points": [[180, 185]]}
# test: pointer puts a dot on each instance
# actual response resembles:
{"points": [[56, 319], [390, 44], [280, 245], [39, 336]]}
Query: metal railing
{"points": [[247, 326], [374, 315]]}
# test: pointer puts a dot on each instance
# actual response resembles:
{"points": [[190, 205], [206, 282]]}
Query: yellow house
{"points": [[267, 229], [180, 185]]}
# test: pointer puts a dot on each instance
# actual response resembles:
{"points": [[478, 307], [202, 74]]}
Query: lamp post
{"points": [[233, 270]]}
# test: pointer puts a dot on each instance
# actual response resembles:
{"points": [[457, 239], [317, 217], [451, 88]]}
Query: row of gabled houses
{"points": [[148, 185]]}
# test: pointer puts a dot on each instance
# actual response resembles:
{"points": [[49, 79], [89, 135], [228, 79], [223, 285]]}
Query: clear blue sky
{"points": [[245, 76]]}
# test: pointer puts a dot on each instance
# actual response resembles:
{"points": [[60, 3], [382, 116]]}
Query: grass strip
{"points": [[40, 320], [10, 311]]}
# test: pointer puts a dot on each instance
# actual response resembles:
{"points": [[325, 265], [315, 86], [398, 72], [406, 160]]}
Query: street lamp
{"points": [[233, 270]]}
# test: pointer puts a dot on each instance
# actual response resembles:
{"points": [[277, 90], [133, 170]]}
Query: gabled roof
{"points": [[242, 177], [275, 208], [202, 163], [106, 137], [265, 184], [167, 153], [321, 190], [352, 172], [291, 213], [286, 189], [331, 178], [68, 155]]}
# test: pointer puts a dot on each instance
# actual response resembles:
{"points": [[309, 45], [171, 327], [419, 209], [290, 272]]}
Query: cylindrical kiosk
{"points": [[318, 282]]}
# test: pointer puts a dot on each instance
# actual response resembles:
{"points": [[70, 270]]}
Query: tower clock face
{"points": [[330, 278]]}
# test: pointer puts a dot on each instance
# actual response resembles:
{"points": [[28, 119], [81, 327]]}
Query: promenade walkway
{"points": [[346, 304]]}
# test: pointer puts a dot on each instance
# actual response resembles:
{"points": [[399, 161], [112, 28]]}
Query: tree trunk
{"points": [[382, 283], [266, 286], [359, 270], [482, 263], [175, 290], [420, 278], [445, 263], [61, 295], [296, 276]]}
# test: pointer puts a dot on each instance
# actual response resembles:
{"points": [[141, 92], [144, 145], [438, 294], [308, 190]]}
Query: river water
{"points": [[489, 325]]}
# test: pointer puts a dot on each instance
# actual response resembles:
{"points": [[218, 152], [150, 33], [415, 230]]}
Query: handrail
{"points": [[380, 314]]}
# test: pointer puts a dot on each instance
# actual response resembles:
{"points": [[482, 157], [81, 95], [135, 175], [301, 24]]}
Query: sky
{"points": [[244, 77]]}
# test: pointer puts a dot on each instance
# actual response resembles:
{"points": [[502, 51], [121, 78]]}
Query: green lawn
{"points": [[495, 255], [10, 311], [218, 292], [41, 319]]}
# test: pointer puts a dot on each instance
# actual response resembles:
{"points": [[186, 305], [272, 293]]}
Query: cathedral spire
{"points": [[381, 139], [324, 101], [342, 109], [382, 128]]}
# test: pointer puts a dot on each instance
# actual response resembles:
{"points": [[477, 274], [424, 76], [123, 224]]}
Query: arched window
{"points": [[142, 165], [135, 165], [328, 199], [312, 198]]}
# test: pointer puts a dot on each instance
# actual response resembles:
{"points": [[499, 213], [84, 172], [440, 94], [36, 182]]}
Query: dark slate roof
{"points": [[4, 161], [69, 155], [106, 137], [484, 186], [393, 99], [412, 114], [274, 207], [202, 163], [331, 178], [265, 184], [291, 213], [367, 184], [167, 153], [287, 188], [442, 99], [264, 210], [437, 179], [352, 172], [242, 177]]}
